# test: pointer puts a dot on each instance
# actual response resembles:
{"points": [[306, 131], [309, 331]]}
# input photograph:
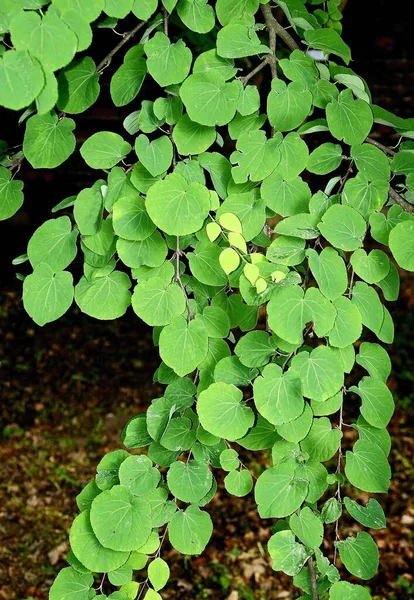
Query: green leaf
{"points": [[197, 15], [347, 328], [229, 460], [71, 585], [288, 105], [48, 97], [209, 100], [302, 225], [377, 404], [382, 225], [89, 11], [138, 475], [390, 285], [367, 467], [287, 555], [348, 119], [331, 511], [403, 163], [167, 63], [296, 430], [144, 9], [255, 349], [256, 157], [299, 67], [118, 8], [329, 41], [287, 198], [402, 246], [354, 83], [48, 141], [324, 159], [89, 551], [79, 26], [237, 40], [216, 322], [48, 38], [88, 210], [211, 60], [238, 483], [288, 314], [359, 555], [176, 207], [343, 227], [249, 208], [11, 195], [329, 270], [364, 196], [322, 442], [375, 360], [53, 243], [369, 305], [119, 520], [321, 373], [103, 150], [190, 481], [277, 395], [228, 11], [294, 155], [342, 590], [205, 266], [222, 412], [372, 267], [192, 138], [279, 492], [307, 527], [371, 515], [183, 346], [105, 297], [128, 79], [131, 220], [156, 156], [78, 86], [158, 573], [46, 295], [371, 161], [190, 530], [158, 304]]}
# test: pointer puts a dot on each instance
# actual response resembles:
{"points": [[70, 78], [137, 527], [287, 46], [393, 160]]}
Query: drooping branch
{"points": [[125, 38], [385, 149], [256, 70]]}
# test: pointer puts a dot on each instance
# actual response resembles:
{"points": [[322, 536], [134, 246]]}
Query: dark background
{"points": [[68, 388]]}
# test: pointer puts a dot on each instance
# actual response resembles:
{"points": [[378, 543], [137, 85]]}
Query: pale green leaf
{"points": [[222, 412], [190, 530], [343, 227], [105, 297], [104, 150], [288, 105], [359, 555], [167, 63], [48, 141], [367, 467], [277, 395], [47, 296], [183, 346], [287, 555]]}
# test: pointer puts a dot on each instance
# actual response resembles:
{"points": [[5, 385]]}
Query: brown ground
{"points": [[67, 391]]}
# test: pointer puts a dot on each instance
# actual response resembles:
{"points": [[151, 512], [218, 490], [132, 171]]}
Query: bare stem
{"points": [[256, 70], [125, 38], [384, 149], [314, 584]]}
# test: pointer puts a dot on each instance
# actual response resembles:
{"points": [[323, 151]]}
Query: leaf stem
{"points": [[125, 38], [179, 281], [271, 28]]}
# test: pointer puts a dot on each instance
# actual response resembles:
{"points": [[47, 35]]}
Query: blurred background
{"points": [[68, 388]]}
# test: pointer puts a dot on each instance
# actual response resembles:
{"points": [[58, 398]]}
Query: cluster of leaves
{"points": [[216, 223]]}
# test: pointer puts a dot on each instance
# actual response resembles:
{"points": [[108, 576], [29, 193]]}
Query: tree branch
{"points": [[384, 149], [400, 200], [125, 38], [278, 29], [314, 584], [269, 18]]}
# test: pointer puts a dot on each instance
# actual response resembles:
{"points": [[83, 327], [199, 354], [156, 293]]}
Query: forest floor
{"points": [[69, 388]]}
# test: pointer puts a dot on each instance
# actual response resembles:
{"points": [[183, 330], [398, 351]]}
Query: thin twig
{"points": [[256, 70], [125, 38], [165, 21], [338, 471], [312, 574], [269, 19]]}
